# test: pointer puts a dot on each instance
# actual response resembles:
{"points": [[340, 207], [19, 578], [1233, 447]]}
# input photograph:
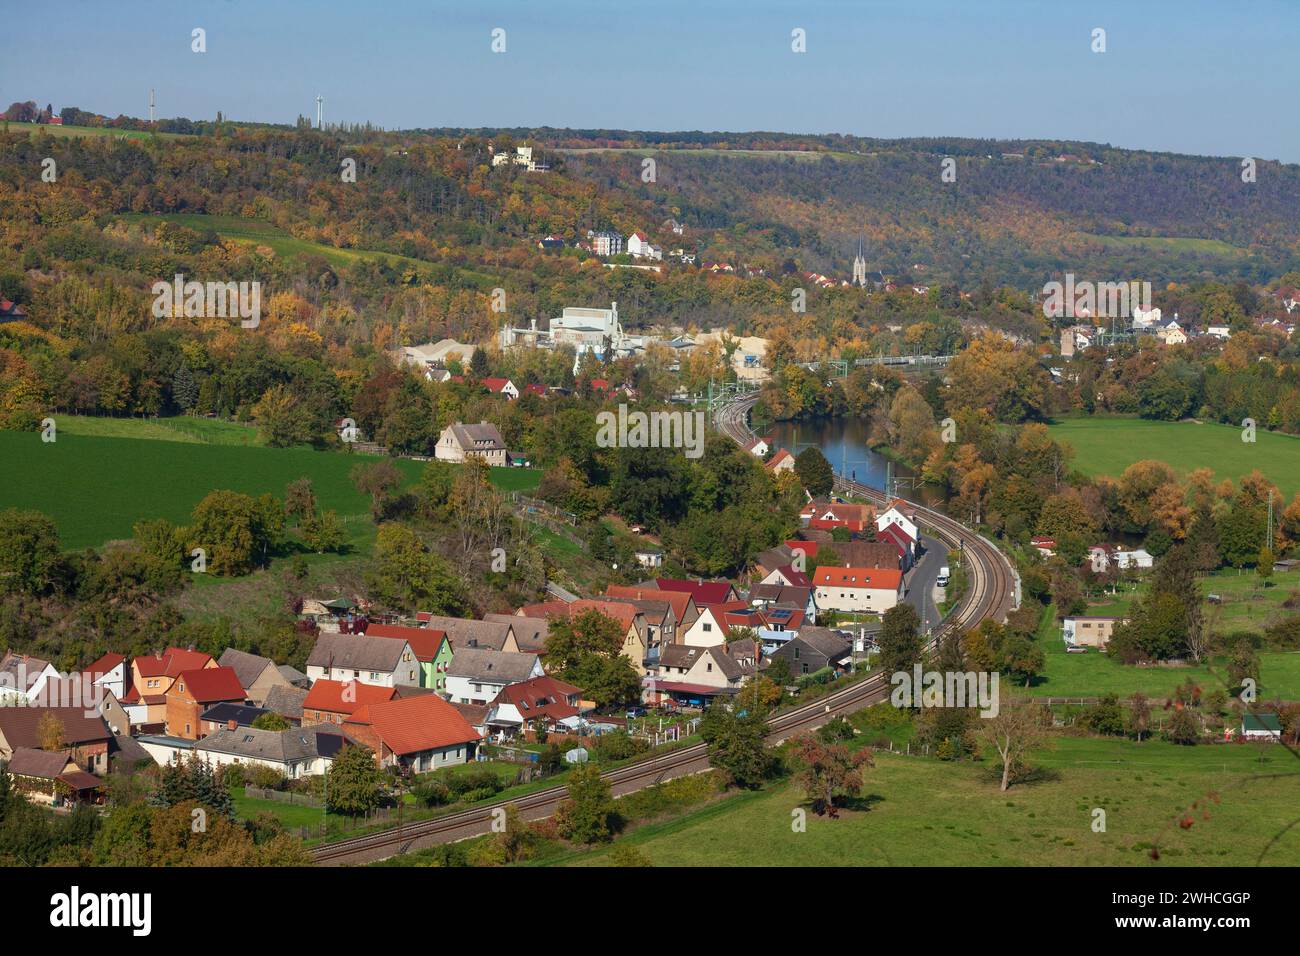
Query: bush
{"points": [[266, 778], [431, 793], [835, 731], [461, 785], [618, 745]]}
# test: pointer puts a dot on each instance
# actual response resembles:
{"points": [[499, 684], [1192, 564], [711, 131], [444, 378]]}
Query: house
{"points": [[228, 715], [1138, 559], [477, 675], [1044, 546], [649, 557], [710, 627], [1172, 334], [781, 462], [47, 777], [1090, 631], [500, 386], [520, 706], [901, 513], [459, 442], [195, 691], [11, 312], [787, 596], [529, 632], [1261, 727], [869, 590], [607, 243], [109, 672], [332, 702], [287, 702], [682, 603], [431, 646], [497, 635], [787, 576], [640, 247], [660, 620], [904, 543], [885, 553], [383, 661], [23, 678], [693, 676], [114, 714], [421, 733], [815, 649], [637, 644], [85, 739], [256, 674], [152, 677], [758, 447], [294, 753], [703, 592]]}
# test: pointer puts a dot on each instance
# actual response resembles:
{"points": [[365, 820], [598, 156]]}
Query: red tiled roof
{"points": [[104, 665], [780, 456], [897, 533], [494, 384], [171, 662], [210, 684], [527, 697], [625, 614], [414, 724], [809, 548], [544, 609], [679, 600], [879, 579], [327, 695], [424, 641], [704, 592]]}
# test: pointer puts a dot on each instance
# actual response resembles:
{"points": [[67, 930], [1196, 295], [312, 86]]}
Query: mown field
{"points": [[96, 488], [924, 812], [1107, 445], [66, 131]]}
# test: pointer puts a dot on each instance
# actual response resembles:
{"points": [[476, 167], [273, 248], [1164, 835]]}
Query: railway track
{"points": [[990, 595]]}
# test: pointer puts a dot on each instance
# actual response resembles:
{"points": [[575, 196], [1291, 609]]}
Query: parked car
{"points": [[1076, 649], [634, 712]]}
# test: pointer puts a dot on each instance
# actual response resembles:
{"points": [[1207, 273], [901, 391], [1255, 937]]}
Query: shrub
{"points": [[431, 793], [618, 745]]}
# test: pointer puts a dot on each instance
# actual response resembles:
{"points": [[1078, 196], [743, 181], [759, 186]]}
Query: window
{"points": [[708, 627], [804, 669], [709, 667]]}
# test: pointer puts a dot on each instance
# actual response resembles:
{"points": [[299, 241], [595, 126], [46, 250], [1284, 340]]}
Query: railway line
{"points": [[990, 595]]}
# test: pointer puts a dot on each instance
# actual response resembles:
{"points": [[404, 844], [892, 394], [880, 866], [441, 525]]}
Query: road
{"points": [[988, 595], [920, 580]]}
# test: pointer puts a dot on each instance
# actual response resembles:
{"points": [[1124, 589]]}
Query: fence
{"points": [[283, 796]]}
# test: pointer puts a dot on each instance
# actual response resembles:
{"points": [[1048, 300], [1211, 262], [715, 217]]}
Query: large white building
{"points": [[866, 590]]}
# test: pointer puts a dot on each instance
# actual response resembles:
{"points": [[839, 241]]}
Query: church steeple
{"points": [[860, 265]]}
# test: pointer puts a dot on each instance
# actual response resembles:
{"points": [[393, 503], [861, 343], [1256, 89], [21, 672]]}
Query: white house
{"points": [[379, 661], [708, 629], [476, 675], [297, 752], [1261, 727], [640, 247], [23, 678], [501, 386], [1172, 334], [870, 590], [900, 514], [759, 447], [109, 672], [1138, 559], [458, 442], [1222, 332]]}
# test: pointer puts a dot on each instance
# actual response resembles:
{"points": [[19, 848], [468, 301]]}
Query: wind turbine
{"points": [[319, 121], [151, 106]]}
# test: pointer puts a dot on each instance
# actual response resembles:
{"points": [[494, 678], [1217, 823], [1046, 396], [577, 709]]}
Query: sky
{"points": [[1213, 77]]}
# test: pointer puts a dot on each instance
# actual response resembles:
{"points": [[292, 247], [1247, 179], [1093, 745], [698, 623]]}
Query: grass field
{"points": [[1094, 673], [1213, 247], [74, 131], [96, 488], [925, 812], [197, 431], [1108, 445]]}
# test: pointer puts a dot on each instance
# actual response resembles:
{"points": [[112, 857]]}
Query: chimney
{"points": [[232, 724]]}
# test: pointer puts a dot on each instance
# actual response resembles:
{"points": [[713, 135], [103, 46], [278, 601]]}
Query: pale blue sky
{"points": [[1218, 77]]}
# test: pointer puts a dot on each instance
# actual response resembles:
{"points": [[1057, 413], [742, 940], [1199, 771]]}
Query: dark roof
{"points": [[30, 762], [242, 714], [462, 631], [247, 667], [285, 701], [357, 652], [496, 667], [530, 632], [18, 725], [824, 641]]}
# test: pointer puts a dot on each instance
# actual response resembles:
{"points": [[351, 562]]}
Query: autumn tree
{"points": [[1019, 727], [814, 471], [586, 650], [830, 773]]}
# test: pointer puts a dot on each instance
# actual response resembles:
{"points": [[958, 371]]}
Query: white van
{"points": [[942, 580]]}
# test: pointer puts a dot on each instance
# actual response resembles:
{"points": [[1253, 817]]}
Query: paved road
{"points": [[920, 581]]}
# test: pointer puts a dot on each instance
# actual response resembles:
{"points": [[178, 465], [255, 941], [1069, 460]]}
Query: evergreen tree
{"points": [[900, 639], [814, 471]]}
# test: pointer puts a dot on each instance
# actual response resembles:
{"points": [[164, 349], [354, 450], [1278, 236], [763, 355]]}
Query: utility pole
{"points": [[151, 104]]}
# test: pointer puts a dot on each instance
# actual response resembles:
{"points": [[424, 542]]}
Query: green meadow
{"points": [[97, 487], [920, 811], [1107, 445]]}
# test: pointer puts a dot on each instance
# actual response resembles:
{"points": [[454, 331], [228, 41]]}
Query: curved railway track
{"points": [[990, 595]]}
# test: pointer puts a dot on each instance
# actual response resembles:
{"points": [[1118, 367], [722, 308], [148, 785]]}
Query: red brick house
{"points": [[195, 691], [333, 701]]}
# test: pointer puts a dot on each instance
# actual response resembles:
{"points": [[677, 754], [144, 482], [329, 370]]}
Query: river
{"points": [[844, 442]]}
